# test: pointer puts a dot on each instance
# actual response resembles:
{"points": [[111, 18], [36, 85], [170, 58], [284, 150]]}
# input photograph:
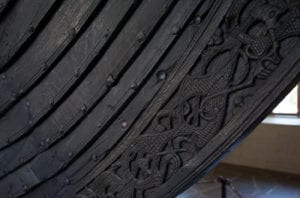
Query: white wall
{"points": [[269, 146]]}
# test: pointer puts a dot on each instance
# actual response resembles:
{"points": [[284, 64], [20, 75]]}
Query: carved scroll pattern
{"points": [[244, 49]]}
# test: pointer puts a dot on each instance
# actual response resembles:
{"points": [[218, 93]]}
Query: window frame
{"points": [[298, 99], [298, 106]]}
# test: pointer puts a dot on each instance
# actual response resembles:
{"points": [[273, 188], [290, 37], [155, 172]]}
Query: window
{"points": [[290, 105]]}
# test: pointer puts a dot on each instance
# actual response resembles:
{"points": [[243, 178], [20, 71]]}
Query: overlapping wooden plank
{"points": [[64, 156], [223, 96], [183, 65], [150, 110], [58, 123], [65, 75], [20, 23], [75, 174], [129, 86], [70, 20]]}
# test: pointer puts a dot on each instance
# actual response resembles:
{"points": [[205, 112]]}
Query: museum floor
{"points": [[248, 182]]}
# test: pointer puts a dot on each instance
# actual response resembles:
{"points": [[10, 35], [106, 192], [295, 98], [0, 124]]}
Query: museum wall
{"points": [[270, 146]]}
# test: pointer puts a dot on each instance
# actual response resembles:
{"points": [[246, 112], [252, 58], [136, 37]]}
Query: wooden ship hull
{"points": [[135, 98]]}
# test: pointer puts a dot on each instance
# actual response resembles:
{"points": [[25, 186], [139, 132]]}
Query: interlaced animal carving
{"points": [[250, 34]]}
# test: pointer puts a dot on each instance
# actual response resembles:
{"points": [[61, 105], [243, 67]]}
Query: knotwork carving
{"points": [[244, 49]]}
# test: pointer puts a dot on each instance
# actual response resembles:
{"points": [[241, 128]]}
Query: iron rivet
{"points": [[27, 103], [47, 140], [3, 76], [106, 34], [73, 31], [67, 181], [133, 86], [42, 144], [140, 37], [31, 29], [175, 29], [30, 122], [70, 154], [94, 157], [110, 80], [83, 108], [25, 187], [197, 19], [21, 91], [99, 125], [51, 102], [161, 75], [124, 124], [77, 73], [44, 67]]}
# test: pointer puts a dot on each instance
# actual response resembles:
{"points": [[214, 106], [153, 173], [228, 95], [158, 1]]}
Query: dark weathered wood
{"points": [[141, 169], [89, 92], [138, 99], [20, 24], [5, 7], [67, 72], [71, 19], [99, 119], [131, 31]]}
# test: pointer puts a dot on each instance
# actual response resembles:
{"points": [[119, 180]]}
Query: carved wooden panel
{"points": [[135, 99]]}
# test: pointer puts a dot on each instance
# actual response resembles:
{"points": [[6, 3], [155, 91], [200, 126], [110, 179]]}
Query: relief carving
{"points": [[243, 49]]}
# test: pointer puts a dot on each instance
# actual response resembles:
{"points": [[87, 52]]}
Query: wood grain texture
{"points": [[132, 98]]}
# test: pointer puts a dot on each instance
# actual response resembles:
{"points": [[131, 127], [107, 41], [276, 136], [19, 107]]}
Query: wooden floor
{"points": [[248, 182]]}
